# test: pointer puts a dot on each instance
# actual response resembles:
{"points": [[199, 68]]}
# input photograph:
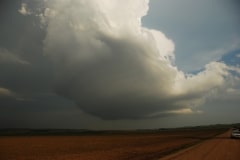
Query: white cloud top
{"points": [[24, 10]]}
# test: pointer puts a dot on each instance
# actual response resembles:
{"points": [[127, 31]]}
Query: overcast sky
{"points": [[114, 64]]}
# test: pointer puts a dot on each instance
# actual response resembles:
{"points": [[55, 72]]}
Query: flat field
{"points": [[108, 146], [220, 147]]}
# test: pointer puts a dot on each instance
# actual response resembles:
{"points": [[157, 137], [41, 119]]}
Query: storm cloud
{"points": [[7, 57], [114, 68]]}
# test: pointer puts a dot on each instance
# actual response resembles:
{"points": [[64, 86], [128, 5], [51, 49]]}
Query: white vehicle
{"points": [[235, 133]]}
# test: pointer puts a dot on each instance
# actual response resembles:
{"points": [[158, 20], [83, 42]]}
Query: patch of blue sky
{"points": [[232, 58]]}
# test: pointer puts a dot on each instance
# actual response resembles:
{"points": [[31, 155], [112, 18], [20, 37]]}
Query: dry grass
{"points": [[107, 147]]}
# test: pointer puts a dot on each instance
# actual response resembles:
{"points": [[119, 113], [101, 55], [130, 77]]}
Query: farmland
{"points": [[134, 145], [220, 147]]}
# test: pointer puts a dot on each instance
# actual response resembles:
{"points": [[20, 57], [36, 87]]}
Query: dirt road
{"points": [[218, 148]]}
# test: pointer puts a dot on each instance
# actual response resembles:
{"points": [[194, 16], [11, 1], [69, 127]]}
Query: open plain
{"points": [[124, 145], [219, 148]]}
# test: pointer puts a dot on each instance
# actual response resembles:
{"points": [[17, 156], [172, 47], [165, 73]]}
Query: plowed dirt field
{"points": [[132, 146], [218, 148]]}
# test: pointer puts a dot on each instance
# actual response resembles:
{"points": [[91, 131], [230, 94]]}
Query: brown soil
{"points": [[109, 146], [221, 147]]}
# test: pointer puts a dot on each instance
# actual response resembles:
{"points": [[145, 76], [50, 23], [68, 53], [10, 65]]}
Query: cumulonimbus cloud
{"points": [[114, 68]]}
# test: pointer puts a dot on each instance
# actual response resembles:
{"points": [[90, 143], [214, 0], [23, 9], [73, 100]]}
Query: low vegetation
{"points": [[85, 144]]}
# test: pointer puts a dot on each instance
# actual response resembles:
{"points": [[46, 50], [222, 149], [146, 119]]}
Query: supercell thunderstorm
{"points": [[114, 68]]}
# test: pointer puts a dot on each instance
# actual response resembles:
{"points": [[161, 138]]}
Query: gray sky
{"points": [[95, 65]]}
